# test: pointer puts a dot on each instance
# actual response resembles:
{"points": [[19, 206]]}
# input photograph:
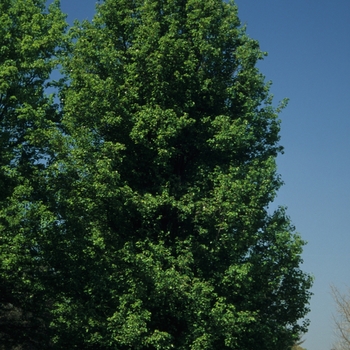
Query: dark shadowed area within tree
{"points": [[141, 217]]}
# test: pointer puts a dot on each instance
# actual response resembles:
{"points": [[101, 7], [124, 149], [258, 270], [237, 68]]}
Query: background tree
{"points": [[161, 187], [342, 319], [29, 38], [297, 347], [297, 343]]}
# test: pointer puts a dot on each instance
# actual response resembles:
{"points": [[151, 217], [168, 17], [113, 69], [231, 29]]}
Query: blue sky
{"points": [[308, 42], [309, 47]]}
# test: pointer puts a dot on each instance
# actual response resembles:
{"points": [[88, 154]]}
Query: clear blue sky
{"points": [[308, 42]]}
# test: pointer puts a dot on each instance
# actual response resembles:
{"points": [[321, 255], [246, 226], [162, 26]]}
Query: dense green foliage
{"points": [[30, 38], [135, 215]]}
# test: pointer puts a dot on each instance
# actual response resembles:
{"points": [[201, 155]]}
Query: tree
{"points": [[297, 347], [297, 343], [342, 320], [162, 186], [29, 38], [143, 222]]}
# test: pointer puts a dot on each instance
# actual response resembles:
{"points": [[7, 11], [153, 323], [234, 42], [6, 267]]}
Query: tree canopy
{"points": [[136, 208], [30, 37]]}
